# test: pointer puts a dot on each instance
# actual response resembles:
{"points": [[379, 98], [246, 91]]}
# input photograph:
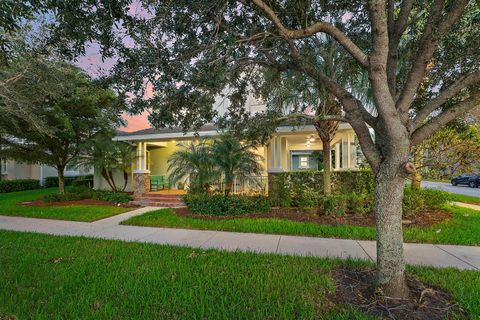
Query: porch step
{"points": [[159, 200], [144, 203]]}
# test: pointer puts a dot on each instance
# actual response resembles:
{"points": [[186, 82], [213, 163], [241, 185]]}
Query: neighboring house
{"points": [[290, 149], [13, 170]]}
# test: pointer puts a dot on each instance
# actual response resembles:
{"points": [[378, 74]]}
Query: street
{"points": [[465, 190]]}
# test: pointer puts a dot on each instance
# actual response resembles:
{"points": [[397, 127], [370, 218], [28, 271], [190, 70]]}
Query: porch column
{"points": [[275, 152], [337, 155], [141, 176]]}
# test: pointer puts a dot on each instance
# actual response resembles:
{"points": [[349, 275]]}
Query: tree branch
{"points": [[445, 117], [317, 27], [428, 45], [444, 96]]}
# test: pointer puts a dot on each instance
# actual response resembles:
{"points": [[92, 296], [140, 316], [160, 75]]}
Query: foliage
{"points": [[279, 190], [216, 205], [335, 204], [307, 199], [450, 151], [84, 110], [352, 181], [107, 156], [362, 203], [80, 193], [18, 185], [69, 181], [113, 197], [222, 159], [418, 200], [285, 185], [234, 159], [192, 163]]}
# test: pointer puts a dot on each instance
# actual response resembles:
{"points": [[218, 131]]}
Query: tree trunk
{"points": [[228, 187], [61, 180], [327, 170], [112, 180], [389, 186], [125, 179], [107, 178]]}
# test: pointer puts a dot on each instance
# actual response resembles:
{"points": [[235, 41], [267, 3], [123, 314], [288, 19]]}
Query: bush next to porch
{"points": [[285, 188], [352, 193], [18, 185], [217, 204]]}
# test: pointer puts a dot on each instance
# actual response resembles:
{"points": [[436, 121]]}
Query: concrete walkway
{"points": [[461, 257]]}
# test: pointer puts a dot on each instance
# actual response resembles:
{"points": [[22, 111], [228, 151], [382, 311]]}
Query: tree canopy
{"points": [[83, 110], [421, 59]]}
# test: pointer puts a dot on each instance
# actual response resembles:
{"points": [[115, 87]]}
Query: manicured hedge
{"points": [[18, 185], [352, 191], [284, 187], [80, 193], [69, 181], [216, 204]]}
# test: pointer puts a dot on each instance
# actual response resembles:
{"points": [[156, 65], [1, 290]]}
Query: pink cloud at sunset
{"points": [[136, 122]]}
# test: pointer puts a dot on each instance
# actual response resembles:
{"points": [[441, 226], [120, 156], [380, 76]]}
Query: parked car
{"points": [[469, 179]]}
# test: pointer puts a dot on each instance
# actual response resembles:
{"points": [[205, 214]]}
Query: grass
{"points": [[47, 277], [9, 207], [463, 228], [464, 198]]}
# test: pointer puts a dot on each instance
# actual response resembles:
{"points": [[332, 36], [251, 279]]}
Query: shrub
{"points": [[113, 197], [279, 191], [335, 204], [415, 201], [18, 185], [220, 205], [57, 197], [307, 199], [53, 181], [347, 182], [75, 193], [362, 203]]}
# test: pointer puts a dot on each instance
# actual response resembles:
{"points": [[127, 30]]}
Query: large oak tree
{"points": [[192, 51]]}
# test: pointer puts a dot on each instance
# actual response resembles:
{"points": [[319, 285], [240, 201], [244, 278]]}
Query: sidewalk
{"points": [[461, 257]]}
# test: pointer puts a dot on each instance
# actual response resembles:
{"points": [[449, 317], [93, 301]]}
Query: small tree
{"points": [[449, 150], [107, 156], [232, 159], [193, 162], [84, 110]]}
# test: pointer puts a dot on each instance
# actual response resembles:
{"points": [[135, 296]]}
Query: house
{"points": [[290, 149], [13, 170]]}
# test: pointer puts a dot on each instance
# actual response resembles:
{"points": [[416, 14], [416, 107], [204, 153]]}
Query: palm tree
{"points": [[233, 159], [192, 162], [108, 156]]}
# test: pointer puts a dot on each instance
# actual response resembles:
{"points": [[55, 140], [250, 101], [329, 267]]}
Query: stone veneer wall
{"points": [[141, 183]]}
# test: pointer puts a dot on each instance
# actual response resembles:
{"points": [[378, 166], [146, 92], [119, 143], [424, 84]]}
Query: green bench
{"points": [[158, 182]]}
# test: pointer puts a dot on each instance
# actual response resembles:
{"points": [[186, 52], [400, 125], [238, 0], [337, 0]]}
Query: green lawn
{"points": [[464, 198], [47, 277], [463, 228], [9, 207]]}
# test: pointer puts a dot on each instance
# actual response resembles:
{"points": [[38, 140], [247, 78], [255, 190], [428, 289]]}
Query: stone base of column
{"points": [[141, 182]]}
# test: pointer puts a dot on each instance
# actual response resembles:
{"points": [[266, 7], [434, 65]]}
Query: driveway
{"points": [[465, 190]]}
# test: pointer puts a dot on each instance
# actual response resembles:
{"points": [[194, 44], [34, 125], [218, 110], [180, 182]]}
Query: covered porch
{"points": [[290, 149]]}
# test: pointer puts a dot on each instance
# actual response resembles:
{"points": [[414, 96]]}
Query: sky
{"points": [[92, 63]]}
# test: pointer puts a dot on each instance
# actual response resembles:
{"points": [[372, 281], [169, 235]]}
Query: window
{"points": [[3, 163], [303, 162]]}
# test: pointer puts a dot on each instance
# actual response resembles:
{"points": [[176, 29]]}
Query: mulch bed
{"points": [[354, 287], [423, 219], [41, 203]]}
